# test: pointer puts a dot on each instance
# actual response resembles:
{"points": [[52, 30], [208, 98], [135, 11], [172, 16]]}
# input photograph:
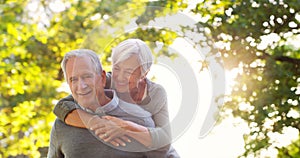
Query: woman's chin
{"points": [[121, 89]]}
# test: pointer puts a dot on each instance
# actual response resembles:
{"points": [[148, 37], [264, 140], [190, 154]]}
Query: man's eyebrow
{"points": [[130, 69]]}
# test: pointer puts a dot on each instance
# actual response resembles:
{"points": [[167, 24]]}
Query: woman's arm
{"points": [[68, 111], [153, 137], [78, 118], [161, 134], [135, 131]]}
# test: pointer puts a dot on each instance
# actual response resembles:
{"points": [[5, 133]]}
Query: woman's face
{"points": [[126, 74]]}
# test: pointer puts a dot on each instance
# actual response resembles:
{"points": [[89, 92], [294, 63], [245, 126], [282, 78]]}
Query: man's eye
{"points": [[116, 68], [87, 76], [73, 79]]}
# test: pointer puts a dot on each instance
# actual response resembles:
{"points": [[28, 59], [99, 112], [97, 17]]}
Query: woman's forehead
{"points": [[131, 62]]}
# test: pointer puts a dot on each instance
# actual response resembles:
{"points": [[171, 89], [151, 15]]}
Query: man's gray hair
{"points": [[130, 47], [81, 53]]}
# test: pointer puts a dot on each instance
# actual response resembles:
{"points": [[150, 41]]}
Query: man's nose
{"points": [[82, 84]]}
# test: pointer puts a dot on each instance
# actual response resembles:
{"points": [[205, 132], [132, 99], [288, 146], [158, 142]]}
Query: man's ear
{"points": [[103, 77]]}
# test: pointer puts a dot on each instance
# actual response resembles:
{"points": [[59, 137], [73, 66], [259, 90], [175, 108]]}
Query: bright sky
{"points": [[225, 140]]}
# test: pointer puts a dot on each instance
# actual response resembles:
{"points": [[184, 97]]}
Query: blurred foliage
{"points": [[254, 38], [36, 34], [291, 150], [34, 37]]}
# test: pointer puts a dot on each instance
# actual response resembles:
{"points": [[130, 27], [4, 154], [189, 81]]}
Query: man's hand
{"points": [[109, 129]]}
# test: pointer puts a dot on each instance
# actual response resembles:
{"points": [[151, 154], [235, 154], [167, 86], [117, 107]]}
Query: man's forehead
{"points": [[81, 61], [79, 65]]}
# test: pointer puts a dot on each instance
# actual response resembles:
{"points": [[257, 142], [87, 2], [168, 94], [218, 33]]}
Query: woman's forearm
{"points": [[78, 118], [133, 130], [142, 137], [139, 133]]}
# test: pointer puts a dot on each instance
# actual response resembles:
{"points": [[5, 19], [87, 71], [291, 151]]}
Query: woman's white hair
{"points": [[131, 47]]}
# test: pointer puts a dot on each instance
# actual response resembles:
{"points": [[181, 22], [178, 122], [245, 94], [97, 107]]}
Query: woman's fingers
{"points": [[99, 131], [103, 136], [97, 125], [125, 138], [111, 135], [119, 141], [107, 117], [114, 143], [111, 132]]}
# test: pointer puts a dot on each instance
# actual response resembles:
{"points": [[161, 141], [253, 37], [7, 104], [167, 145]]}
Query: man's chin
{"points": [[84, 101]]}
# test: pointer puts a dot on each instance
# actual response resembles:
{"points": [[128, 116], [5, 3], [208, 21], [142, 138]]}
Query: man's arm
{"points": [[54, 151]]}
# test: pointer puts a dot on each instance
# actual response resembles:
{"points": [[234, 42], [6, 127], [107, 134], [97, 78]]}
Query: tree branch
{"points": [[295, 61], [288, 59]]}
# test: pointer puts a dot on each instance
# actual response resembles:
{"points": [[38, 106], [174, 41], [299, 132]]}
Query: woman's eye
{"points": [[128, 73]]}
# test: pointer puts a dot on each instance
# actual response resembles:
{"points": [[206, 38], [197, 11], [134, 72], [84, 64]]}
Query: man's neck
{"points": [[102, 100]]}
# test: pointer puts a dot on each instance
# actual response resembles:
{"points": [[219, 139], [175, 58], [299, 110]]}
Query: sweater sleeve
{"points": [[54, 150], [161, 134], [64, 107]]}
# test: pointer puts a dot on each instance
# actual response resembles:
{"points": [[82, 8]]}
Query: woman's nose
{"points": [[121, 76]]}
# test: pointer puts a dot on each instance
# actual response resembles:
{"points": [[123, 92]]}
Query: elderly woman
{"points": [[131, 61]]}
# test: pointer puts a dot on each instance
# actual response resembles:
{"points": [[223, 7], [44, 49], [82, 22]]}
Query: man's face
{"points": [[86, 85]]}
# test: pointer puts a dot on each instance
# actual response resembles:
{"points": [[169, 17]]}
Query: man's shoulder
{"points": [[58, 124], [133, 109]]}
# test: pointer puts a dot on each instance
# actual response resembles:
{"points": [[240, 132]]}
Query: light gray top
{"points": [[123, 110]]}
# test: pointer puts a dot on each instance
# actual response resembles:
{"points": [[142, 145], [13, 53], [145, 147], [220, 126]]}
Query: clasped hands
{"points": [[109, 129]]}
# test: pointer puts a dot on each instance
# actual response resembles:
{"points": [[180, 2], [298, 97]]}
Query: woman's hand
{"points": [[119, 122], [133, 130], [109, 129]]}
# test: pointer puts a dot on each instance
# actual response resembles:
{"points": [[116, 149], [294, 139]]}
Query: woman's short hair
{"points": [[131, 47], [81, 53]]}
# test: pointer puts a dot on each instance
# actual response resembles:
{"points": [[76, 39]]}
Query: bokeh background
{"points": [[257, 42]]}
